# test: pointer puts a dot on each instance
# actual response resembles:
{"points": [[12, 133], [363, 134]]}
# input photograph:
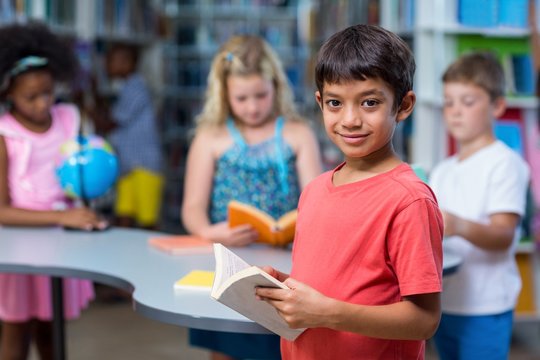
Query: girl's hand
{"points": [[238, 236], [301, 306], [81, 218]]}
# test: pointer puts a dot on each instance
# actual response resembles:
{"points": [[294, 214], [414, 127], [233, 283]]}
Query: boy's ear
{"points": [[407, 106], [318, 97], [499, 106]]}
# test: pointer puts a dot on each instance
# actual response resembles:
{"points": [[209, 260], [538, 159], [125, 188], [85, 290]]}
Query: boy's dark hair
{"points": [[18, 41], [366, 51], [478, 68]]}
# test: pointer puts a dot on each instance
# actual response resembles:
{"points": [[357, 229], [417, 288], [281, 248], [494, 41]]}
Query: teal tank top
{"points": [[263, 175]]}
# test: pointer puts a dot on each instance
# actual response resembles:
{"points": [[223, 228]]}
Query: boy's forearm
{"points": [[400, 321], [485, 236]]}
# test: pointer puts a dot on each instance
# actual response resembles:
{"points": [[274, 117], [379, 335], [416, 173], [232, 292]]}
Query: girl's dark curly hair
{"points": [[35, 39]]}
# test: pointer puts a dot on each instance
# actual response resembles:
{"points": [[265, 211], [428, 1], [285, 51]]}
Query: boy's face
{"points": [[359, 117], [119, 63], [469, 111]]}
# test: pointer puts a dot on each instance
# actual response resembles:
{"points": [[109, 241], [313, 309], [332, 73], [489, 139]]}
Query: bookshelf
{"points": [[89, 24], [443, 31]]}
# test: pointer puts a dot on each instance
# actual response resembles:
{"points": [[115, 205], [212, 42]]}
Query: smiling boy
{"points": [[367, 256]]}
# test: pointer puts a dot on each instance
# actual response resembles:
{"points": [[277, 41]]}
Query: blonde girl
{"points": [[252, 146]]}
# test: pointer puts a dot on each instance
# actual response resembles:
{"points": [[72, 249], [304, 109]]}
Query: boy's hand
{"points": [[450, 223], [275, 273], [238, 236], [81, 218], [301, 306]]}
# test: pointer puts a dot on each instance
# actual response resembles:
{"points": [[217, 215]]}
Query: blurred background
{"points": [[178, 39]]}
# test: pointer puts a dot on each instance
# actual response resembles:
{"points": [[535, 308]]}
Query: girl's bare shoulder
{"points": [[216, 138], [298, 132]]}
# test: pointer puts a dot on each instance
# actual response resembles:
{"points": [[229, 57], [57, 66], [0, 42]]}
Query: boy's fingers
{"points": [[292, 283], [268, 293]]}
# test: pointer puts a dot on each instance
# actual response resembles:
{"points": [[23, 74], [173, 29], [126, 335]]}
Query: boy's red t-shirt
{"points": [[371, 242]]}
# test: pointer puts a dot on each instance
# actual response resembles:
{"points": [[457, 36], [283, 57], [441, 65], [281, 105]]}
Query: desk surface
{"points": [[123, 258]]}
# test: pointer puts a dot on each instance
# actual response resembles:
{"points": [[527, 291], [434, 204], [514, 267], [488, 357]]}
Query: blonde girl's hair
{"points": [[245, 55]]}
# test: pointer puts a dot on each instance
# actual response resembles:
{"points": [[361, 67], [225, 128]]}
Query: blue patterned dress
{"points": [[263, 175]]}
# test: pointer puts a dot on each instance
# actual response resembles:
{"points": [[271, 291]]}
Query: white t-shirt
{"points": [[493, 180]]}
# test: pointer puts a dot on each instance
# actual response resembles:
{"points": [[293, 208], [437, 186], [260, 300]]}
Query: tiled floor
{"points": [[114, 331]]}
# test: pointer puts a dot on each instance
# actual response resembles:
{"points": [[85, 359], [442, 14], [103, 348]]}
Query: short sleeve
{"points": [[415, 248], [133, 99], [508, 187]]}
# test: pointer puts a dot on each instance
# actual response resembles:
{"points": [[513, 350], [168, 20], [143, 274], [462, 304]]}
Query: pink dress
{"points": [[33, 185]]}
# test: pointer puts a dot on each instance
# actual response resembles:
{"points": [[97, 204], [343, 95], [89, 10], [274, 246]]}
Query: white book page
{"points": [[227, 264]]}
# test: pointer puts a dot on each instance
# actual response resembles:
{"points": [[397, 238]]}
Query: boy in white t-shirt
{"points": [[481, 191]]}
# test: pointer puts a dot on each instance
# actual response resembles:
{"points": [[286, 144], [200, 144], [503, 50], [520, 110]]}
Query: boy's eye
{"points": [[370, 103], [333, 103], [468, 101]]}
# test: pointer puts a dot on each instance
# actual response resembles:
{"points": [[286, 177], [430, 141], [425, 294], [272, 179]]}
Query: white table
{"points": [[123, 258]]}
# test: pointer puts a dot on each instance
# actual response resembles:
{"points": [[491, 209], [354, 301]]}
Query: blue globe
{"points": [[88, 168]]}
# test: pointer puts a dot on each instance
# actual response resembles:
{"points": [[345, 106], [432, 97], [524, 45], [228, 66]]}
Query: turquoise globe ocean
{"points": [[88, 167]]}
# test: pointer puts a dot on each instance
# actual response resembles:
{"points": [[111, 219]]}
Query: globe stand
{"points": [[85, 200]]}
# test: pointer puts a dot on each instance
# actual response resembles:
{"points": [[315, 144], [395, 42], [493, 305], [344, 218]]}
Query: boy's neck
{"points": [[467, 149], [366, 167]]}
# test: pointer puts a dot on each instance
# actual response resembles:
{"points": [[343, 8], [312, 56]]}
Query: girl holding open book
{"points": [[250, 146]]}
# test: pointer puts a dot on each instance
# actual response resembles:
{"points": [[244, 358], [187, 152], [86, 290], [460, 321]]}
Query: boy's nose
{"points": [[351, 118], [453, 110]]}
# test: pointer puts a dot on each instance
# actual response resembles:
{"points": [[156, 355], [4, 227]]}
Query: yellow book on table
{"points": [[195, 280], [271, 231]]}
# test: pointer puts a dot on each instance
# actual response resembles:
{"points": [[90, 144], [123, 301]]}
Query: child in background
{"points": [[251, 146], [131, 127], [367, 256], [32, 130], [482, 193]]}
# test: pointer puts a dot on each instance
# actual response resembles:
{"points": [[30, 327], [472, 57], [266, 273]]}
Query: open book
{"points": [[181, 244], [234, 286], [272, 231]]}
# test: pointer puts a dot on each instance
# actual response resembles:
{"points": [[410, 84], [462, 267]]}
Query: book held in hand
{"points": [[271, 231], [234, 286], [181, 244], [195, 280]]}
